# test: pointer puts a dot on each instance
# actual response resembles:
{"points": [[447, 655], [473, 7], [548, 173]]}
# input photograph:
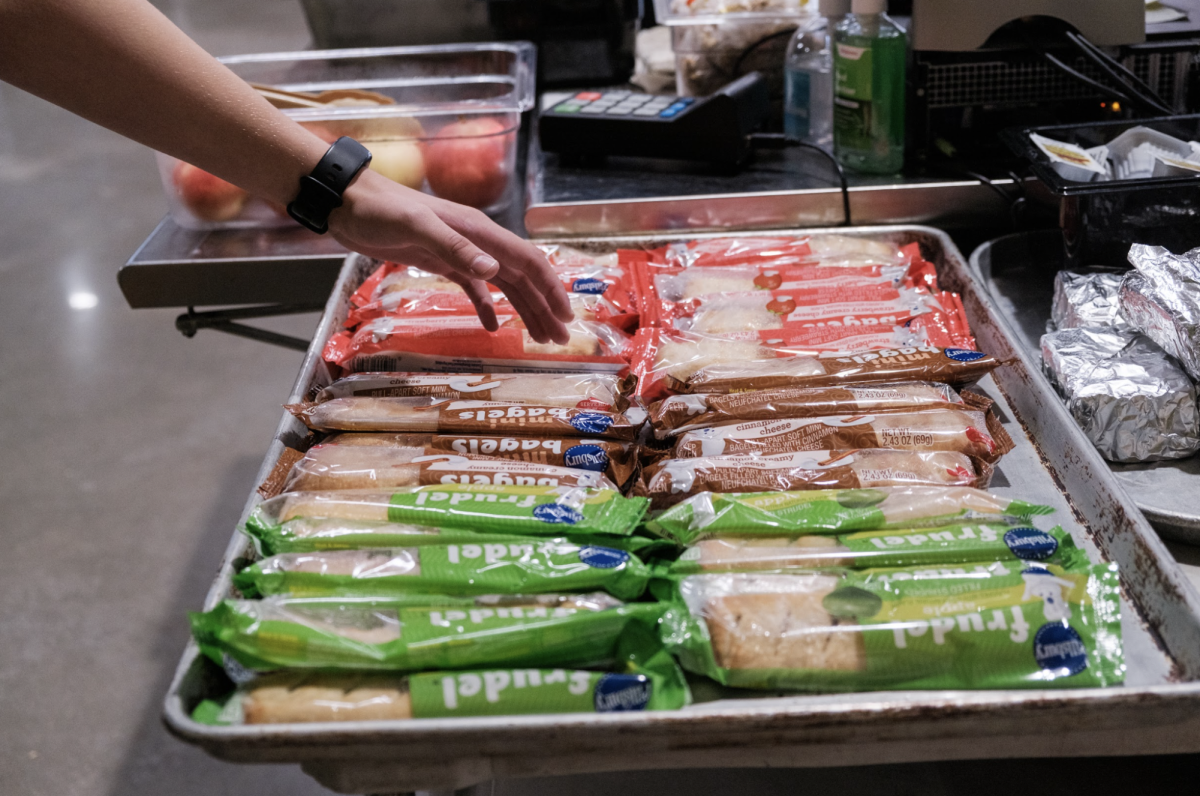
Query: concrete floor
{"points": [[127, 453]]}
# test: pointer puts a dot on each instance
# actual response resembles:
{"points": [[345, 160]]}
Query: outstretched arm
{"points": [[123, 65]]}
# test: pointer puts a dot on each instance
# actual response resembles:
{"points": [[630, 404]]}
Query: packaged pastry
{"points": [[1001, 539], [670, 481], [396, 278], [644, 678], [316, 534], [392, 277], [536, 510], [663, 359], [816, 307], [915, 363], [603, 391], [615, 460], [346, 634], [825, 249], [678, 414], [431, 414], [972, 433], [995, 625], [832, 511], [528, 566], [682, 284], [335, 467], [460, 344], [378, 440], [1161, 299], [600, 288], [1087, 299], [590, 295], [1128, 396]]}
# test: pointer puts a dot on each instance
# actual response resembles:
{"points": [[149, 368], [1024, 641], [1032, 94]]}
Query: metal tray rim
{"points": [[777, 708]]}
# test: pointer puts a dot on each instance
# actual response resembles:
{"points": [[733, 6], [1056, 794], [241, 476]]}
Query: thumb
{"points": [[453, 249]]}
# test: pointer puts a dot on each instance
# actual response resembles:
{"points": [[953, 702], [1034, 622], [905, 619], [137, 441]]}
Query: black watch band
{"points": [[321, 192]]}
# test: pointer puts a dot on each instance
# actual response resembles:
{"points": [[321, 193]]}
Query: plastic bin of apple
{"points": [[467, 159]]}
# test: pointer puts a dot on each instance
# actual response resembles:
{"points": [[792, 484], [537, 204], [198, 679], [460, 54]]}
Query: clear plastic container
{"points": [[709, 56], [691, 12], [451, 132]]}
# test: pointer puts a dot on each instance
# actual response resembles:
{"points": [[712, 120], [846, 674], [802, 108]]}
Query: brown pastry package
{"points": [[969, 432], [615, 460], [603, 391], [668, 482], [367, 439], [915, 363], [681, 413], [430, 414], [337, 467]]}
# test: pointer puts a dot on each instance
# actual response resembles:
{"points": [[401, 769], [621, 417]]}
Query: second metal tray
{"points": [[1018, 271]]}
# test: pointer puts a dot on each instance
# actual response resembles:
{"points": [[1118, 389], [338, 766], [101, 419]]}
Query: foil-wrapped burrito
{"points": [[1132, 400], [1086, 299], [1161, 299]]}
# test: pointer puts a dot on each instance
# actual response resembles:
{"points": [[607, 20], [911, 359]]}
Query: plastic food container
{"points": [[710, 56], [691, 12], [451, 131]]}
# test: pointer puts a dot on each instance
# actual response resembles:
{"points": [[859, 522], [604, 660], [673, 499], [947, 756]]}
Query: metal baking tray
{"points": [[1157, 711], [1018, 273]]}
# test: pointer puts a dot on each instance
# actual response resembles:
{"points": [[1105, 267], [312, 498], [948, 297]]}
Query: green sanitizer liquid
{"points": [[870, 54]]}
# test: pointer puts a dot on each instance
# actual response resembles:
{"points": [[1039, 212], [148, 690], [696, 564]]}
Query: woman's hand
{"points": [[383, 219]]}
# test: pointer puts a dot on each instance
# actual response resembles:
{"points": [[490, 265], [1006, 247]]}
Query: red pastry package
{"points": [[832, 248], [458, 343], [601, 290], [671, 293], [659, 355]]}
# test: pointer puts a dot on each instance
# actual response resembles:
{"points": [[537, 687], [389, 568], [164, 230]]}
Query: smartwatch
{"points": [[321, 191]]}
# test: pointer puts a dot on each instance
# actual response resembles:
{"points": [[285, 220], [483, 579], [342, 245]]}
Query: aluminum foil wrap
{"points": [[1161, 299], [1086, 299], [1132, 400]]}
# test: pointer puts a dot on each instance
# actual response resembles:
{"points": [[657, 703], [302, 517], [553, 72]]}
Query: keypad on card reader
{"points": [[592, 124], [625, 104]]}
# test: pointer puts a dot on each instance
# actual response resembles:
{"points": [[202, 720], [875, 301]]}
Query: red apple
{"points": [[207, 197], [467, 161]]}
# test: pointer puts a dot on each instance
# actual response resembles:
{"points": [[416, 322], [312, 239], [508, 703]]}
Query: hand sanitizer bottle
{"points": [[870, 54], [808, 77]]}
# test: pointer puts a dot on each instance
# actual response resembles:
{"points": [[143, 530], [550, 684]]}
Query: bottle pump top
{"points": [[868, 6], [834, 8]]}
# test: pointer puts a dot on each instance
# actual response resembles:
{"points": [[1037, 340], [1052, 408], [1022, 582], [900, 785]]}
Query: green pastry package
{"points": [[518, 565], [537, 510], [993, 625], [315, 534], [643, 677], [376, 634], [1002, 539], [831, 511]]}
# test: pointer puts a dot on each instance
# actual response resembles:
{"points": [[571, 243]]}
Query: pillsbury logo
{"points": [[963, 355], [588, 285], [602, 557], [556, 514], [586, 457], [1030, 544], [591, 422], [621, 692], [1058, 649]]}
